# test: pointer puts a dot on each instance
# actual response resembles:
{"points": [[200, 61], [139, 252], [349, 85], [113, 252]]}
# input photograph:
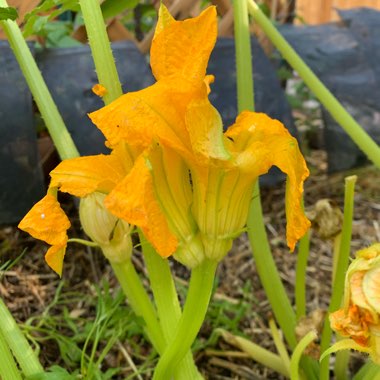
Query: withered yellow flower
{"points": [[47, 221], [186, 184], [359, 319]]}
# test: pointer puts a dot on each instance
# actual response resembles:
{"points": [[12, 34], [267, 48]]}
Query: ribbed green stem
{"points": [[342, 359], [140, 302], [336, 250], [8, 366], [337, 111], [101, 49], [300, 287], [342, 264], [53, 120], [17, 342], [265, 264], [266, 268], [368, 371], [244, 79], [167, 303], [297, 353], [198, 298]]}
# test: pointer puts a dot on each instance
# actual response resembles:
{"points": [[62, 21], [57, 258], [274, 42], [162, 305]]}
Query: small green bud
{"points": [[113, 235]]}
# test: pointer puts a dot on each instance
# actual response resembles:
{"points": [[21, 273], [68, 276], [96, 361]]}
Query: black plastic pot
{"points": [[21, 182], [269, 96], [345, 56]]}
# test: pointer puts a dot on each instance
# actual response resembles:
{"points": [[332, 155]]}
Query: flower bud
{"points": [[359, 319], [113, 235]]}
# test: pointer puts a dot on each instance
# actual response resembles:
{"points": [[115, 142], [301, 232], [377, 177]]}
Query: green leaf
{"points": [[344, 344], [8, 13], [55, 373], [34, 21], [111, 8]]}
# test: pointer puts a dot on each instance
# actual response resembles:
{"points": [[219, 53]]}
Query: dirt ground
{"points": [[29, 286]]}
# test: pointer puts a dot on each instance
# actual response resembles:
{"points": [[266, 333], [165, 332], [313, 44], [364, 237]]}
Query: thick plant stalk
{"points": [[101, 49], [265, 264], [140, 302], [300, 348], [300, 287], [244, 79], [197, 300], [167, 304], [8, 366], [330, 102], [18, 344], [53, 120], [256, 229], [342, 264]]}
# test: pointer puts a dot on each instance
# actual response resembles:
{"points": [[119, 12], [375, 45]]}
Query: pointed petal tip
{"points": [[54, 258]]}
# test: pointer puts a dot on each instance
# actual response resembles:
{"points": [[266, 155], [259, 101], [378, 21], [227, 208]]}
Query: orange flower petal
{"points": [[84, 175], [46, 221], [137, 118], [181, 118], [352, 324], [273, 145], [183, 47], [205, 129], [134, 200], [54, 258]]}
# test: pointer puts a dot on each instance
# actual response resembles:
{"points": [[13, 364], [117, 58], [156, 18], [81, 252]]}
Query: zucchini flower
{"points": [[172, 171], [359, 319], [201, 178]]}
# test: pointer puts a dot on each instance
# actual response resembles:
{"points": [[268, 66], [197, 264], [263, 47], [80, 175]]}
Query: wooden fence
{"points": [[321, 11]]}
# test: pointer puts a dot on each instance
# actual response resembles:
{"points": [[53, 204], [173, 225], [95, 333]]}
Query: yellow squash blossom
{"points": [[211, 174], [359, 319], [187, 184]]}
